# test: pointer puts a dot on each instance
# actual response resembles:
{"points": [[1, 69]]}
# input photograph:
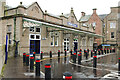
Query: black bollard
{"points": [[76, 51], [24, 56], [71, 52], [98, 51], [34, 55], [88, 51], [79, 58], [37, 71], [31, 64], [119, 66], [27, 59], [107, 50], [94, 61], [50, 54], [67, 76], [111, 50], [86, 54], [91, 53], [65, 53], [41, 55], [58, 53], [47, 71], [102, 51], [74, 58]]}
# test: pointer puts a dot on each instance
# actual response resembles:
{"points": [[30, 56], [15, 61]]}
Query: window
{"points": [[56, 41], [32, 29], [35, 37], [112, 25], [66, 44], [94, 24], [9, 28], [32, 36], [37, 29], [10, 38], [91, 42], [52, 41], [84, 42], [112, 34]]}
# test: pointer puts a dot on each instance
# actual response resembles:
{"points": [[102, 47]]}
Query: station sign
{"points": [[105, 44], [71, 24]]}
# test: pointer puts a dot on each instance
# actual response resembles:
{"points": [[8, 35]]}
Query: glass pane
{"points": [[32, 36], [37, 29], [37, 36], [31, 29]]}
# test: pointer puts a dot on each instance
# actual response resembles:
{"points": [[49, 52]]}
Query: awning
{"points": [[30, 22]]}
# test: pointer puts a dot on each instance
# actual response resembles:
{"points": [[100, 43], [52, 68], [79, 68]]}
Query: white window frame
{"points": [[34, 37], [113, 35], [52, 41], [112, 25], [67, 41], [39, 28], [91, 42], [57, 41]]}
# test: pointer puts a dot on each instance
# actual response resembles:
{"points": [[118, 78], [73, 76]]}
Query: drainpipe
{"points": [[14, 29]]}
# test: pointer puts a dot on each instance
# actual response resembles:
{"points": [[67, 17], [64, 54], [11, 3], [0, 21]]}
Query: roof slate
{"points": [[102, 16], [84, 18]]}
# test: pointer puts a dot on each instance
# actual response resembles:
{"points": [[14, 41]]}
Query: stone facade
{"points": [[111, 27], [57, 32]]}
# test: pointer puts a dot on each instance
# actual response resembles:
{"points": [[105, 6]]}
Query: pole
{"points": [[94, 61], [47, 71], [24, 56], [74, 58], [37, 72], [50, 54], [41, 55], [58, 53], [67, 76], [27, 59], [79, 58], [65, 53], [31, 64]]}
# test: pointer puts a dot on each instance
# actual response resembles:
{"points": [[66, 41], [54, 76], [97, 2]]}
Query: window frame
{"points": [[112, 35]]}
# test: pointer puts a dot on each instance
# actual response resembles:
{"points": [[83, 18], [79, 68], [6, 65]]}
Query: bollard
{"points": [[67, 76], [65, 53], [107, 50], [91, 53], [27, 59], [76, 51], [119, 66], [79, 58], [47, 71], [41, 55], [111, 50], [86, 54], [114, 50], [102, 51], [74, 58], [37, 71], [34, 55], [71, 52], [24, 56], [50, 54], [31, 64], [94, 61], [59, 53], [88, 51], [80, 50], [98, 51]]}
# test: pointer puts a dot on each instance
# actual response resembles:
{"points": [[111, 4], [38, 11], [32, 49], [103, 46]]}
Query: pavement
{"points": [[16, 69]]}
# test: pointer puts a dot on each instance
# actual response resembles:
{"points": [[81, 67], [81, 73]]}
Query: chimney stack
{"points": [[2, 7], [82, 13], [94, 10]]}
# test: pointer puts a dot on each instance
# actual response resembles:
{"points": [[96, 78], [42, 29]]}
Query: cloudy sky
{"points": [[63, 6]]}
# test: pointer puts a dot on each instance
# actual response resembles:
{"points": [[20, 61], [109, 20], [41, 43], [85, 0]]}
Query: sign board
{"points": [[105, 44], [71, 24]]}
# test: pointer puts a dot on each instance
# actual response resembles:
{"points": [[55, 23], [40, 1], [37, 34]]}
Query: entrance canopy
{"points": [[30, 22]]}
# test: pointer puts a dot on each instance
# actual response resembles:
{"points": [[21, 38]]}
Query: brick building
{"points": [[94, 22]]}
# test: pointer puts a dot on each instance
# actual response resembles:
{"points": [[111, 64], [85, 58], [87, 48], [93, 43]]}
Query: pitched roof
{"points": [[102, 16], [57, 16], [66, 15], [84, 18]]}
